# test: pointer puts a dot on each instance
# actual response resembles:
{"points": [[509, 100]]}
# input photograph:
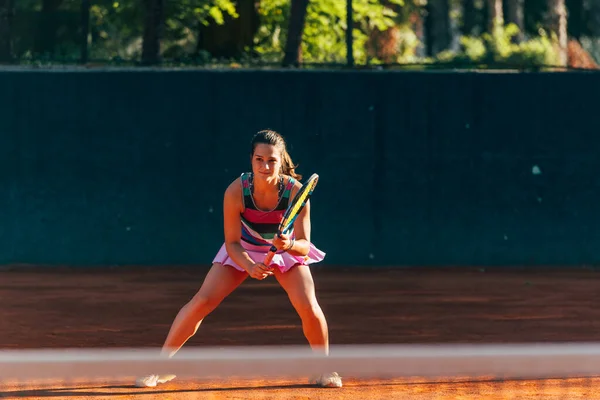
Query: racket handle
{"points": [[270, 255]]}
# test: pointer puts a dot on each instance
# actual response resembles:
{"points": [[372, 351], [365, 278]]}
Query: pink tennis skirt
{"points": [[282, 260]]}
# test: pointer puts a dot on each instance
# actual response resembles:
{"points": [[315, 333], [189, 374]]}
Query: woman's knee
{"points": [[309, 309], [202, 304], [219, 282]]}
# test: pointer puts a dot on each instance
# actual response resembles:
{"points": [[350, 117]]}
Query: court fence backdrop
{"points": [[116, 167]]}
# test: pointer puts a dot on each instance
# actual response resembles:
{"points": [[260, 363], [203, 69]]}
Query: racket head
{"points": [[298, 203]]}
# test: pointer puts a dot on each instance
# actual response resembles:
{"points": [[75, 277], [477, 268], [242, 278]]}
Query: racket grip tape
{"points": [[270, 255]]}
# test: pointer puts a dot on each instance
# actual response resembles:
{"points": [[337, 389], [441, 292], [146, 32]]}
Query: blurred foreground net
{"points": [[524, 371]]}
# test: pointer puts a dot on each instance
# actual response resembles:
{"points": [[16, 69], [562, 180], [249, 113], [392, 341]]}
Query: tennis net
{"points": [[501, 371]]}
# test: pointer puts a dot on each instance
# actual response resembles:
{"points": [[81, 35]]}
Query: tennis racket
{"points": [[292, 212]]}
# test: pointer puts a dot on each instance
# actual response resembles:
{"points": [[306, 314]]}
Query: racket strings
{"points": [[297, 204]]}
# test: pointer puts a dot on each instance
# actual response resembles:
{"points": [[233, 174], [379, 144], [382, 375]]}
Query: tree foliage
{"points": [[325, 28], [116, 28]]}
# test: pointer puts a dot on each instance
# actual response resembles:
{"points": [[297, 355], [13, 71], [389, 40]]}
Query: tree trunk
{"points": [[593, 12], [469, 23], [557, 23], [293, 44], [437, 26], [154, 21], [349, 33], [515, 15], [85, 31], [496, 14], [575, 19], [6, 12], [231, 39], [45, 38]]}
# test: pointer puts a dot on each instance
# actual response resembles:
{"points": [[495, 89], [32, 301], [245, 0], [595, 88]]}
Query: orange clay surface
{"points": [[134, 307]]}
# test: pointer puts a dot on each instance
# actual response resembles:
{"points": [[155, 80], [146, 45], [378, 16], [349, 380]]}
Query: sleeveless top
{"points": [[258, 226]]}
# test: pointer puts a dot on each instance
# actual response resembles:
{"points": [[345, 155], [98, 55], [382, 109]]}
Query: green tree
{"points": [[323, 38]]}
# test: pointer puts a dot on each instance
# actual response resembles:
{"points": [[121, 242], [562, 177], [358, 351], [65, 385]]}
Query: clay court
{"points": [[134, 307]]}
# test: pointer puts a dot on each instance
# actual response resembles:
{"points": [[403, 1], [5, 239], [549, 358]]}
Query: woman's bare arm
{"points": [[232, 225]]}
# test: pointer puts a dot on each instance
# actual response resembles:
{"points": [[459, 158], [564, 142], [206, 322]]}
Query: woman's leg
{"points": [[219, 283], [300, 288], [299, 285]]}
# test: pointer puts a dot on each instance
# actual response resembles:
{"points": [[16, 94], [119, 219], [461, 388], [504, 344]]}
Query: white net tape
{"points": [[514, 361]]}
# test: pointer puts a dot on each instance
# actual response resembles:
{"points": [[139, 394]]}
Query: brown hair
{"points": [[275, 139]]}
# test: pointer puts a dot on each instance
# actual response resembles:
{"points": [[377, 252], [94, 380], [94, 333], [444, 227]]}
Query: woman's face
{"points": [[266, 161]]}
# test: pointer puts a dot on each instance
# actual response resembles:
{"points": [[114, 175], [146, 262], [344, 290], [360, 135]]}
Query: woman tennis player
{"points": [[253, 206]]}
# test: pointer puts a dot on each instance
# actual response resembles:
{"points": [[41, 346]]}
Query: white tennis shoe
{"points": [[153, 380], [332, 380]]}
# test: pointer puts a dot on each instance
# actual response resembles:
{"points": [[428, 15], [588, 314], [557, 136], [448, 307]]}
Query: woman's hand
{"points": [[283, 242], [259, 271]]}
